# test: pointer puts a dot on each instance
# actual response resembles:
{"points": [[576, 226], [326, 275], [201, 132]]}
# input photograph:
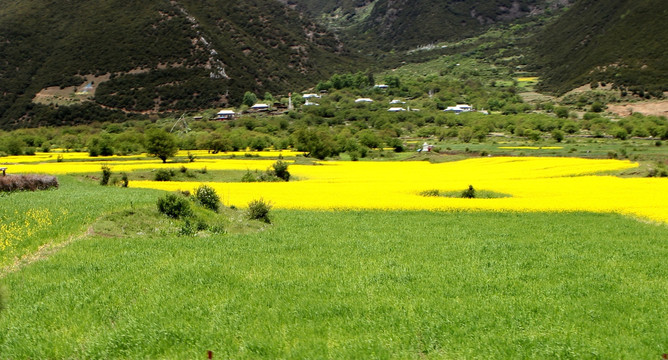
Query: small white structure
{"points": [[363, 100], [225, 115], [308, 103], [459, 108], [396, 101], [311, 96], [260, 107], [425, 147], [381, 86], [396, 109]]}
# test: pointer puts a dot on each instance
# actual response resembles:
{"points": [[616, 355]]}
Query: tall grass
{"points": [[354, 285]]}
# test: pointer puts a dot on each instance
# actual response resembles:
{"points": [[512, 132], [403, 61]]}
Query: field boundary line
{"points": [[42, 253]]}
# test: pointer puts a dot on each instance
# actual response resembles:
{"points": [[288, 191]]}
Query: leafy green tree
{"points": [[161, 144], [558, 135], [249, 99]]}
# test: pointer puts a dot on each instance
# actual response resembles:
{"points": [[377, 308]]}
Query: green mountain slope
{"points": [[401, 24], [156, 54], [616, 41]]}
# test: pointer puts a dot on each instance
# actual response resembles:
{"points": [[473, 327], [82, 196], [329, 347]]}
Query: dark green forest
{"points": [[162, 55], [617, 41]]}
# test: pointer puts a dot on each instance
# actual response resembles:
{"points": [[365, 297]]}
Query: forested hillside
{"points": [[401, 24], [158, 55], [616, 41]]}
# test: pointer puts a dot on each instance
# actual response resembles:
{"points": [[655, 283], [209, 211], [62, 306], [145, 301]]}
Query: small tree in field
{"points": [[161, 144]]}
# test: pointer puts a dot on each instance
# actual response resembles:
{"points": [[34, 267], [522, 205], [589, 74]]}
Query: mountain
{"points": [[402, 24], [622, 42], [152, 55]]}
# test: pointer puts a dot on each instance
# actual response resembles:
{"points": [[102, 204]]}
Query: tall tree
{"points": [[161, 144]]}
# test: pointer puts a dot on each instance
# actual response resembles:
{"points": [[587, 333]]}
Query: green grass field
{"points": [[347, 284]]}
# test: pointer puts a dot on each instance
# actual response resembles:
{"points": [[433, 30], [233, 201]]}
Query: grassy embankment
{"points": [[347, 284]]}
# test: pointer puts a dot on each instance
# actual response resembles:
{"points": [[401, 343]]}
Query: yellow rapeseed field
{"points": [[534, 183]]}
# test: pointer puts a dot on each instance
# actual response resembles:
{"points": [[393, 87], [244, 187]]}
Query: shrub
{"points": [[469, 193], [174, 206], [106, 175], [259, 210], [431, 192], [207, 196], [124, 180], [11, 183], [280, 170], [163, 175], [191, 157], [183, 169]]}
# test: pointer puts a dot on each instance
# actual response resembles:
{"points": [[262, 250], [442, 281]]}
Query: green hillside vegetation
{"points": [[620, 42], [404, 25], [340, 127], [161, 55]]}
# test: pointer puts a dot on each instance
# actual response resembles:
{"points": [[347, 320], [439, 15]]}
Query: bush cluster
{"points": [[174, 206], [259, 210], [11, 183], [164, 174], [207, 197]]}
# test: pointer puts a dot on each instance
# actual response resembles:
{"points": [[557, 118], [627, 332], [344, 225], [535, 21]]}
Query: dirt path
{"points": [[42, 253]]}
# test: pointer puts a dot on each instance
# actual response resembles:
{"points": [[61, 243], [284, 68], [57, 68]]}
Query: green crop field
{"points": [[331, 284]]}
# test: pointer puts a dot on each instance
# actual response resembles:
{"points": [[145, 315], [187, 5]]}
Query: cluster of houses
{"points": [[310, 100]]}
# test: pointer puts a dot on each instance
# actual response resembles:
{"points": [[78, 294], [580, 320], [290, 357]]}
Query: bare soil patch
{"points": [[656, 108]]}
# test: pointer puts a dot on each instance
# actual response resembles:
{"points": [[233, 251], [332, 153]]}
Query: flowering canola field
{"points": [[534, 183]]}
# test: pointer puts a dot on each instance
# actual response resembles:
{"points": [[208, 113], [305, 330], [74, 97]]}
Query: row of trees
{"points": [[318, 137]]}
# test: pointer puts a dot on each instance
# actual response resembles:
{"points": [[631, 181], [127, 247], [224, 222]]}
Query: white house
{"points": [[308, 103], [363, 100], [459, 108], [225, 115], [396, 109], [310, 96], [381, 86], [260, 107], [396, 101]]}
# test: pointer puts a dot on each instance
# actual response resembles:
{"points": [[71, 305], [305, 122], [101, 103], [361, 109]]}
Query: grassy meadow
{"points": [[94, 271]]}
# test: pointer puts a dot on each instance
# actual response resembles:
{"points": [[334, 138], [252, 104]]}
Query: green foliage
{"points": [[469, 193], [280, 170], [161, 144], [207, 197], [249, 99], [124, 180], [174, 205], [106, 175], [558, 135], [259, 210], [163, 175], [619, 47], [43, 46]]}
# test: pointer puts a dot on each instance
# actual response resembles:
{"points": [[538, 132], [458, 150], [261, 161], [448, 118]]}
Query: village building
{"points": [[225, 115], [396, 109], [260, 107], [459, 108], [363, 100]]}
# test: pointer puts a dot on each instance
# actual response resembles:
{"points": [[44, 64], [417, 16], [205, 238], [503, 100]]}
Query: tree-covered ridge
{"points": [[404, 24], [191, 54], [619, 41]]}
